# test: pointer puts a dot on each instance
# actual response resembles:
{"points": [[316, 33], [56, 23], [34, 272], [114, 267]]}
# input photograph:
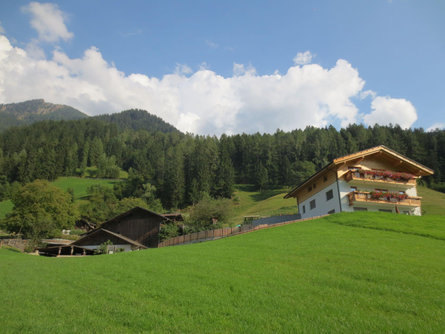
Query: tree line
{"points": [[184, 168]]}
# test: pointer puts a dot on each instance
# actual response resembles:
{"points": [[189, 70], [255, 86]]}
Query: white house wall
{"points": [[322, 206]]}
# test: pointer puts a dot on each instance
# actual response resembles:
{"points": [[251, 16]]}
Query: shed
{"points": [[137, 228]]}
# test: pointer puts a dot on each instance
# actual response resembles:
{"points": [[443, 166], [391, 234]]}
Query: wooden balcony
{"points": [[364, 197], [361, 178]]}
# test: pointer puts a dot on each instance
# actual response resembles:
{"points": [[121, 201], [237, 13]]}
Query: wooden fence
{"points": [[223, 232]]}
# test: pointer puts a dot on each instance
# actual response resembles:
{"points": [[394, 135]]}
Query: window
{"points": [[314, 186], [329, 195], [325, 178], [331, 211], [304, 208], [360, 209], [309, 189], [312, 204]]}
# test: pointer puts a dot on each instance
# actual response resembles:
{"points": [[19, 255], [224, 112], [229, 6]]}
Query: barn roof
{"points": [[381, 149], [117, 235], [129, 212]]}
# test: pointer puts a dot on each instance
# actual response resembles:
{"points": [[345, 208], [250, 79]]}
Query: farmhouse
{"points": [[376, 179], [135, 229]]}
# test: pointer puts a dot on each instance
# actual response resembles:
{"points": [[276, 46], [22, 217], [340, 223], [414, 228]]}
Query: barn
{"points": [[135, 229]]}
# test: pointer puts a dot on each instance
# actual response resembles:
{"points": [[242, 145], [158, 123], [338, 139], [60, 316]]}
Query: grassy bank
{"points": [[344, 273], [265, 203]]}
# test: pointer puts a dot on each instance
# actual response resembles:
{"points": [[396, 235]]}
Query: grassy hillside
{"points": [[266, 203], [78, 184], [433, 202], [333, 275]]}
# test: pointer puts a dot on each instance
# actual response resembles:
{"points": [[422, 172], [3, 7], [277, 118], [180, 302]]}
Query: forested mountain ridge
{"points": [[185, 167], [24, 113], [137, 119], [28, 112]]}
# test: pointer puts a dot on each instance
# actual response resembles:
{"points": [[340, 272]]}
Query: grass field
{"points": [[433, 202], [265, 203], [80, 185], [346, 273]]}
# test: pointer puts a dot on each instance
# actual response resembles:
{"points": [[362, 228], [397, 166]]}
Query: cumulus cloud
{"points": [[386, 110], [436, 126], [200, 101], [49, 21], [303, 58]]}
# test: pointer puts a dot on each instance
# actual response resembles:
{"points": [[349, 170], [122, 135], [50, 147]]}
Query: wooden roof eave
{"points": [[293, 192], [424, 171]]}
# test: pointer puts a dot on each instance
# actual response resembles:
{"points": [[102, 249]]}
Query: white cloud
{"points": [[182, 69], [303, 58], [366, 93], [436, 126], [49, 21], [201, 102], [2, 30], [386, 110], [211, 44]]}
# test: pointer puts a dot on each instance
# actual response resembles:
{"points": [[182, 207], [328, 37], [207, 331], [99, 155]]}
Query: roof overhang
{"points": [[293, 192], [420, 170], [117, 235]]}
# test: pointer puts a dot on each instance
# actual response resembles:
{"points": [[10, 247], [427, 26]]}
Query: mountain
{"points": [[137, 119], [24, 113]]}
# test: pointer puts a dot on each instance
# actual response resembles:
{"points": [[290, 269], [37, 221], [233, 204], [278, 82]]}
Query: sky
{"points": [[214, 67]]}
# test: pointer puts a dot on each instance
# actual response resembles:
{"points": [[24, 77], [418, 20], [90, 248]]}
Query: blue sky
{"points": [[231, 66]]}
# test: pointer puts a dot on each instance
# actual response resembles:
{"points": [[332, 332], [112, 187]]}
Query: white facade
{"points": [[343, 188], [322, 204]]}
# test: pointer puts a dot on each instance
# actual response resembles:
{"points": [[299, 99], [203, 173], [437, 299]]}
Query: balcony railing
{"points": [[402, 180], [367, 197]]}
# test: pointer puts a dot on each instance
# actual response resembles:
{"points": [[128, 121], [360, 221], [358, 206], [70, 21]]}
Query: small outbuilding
{"points": [[135, 229]]}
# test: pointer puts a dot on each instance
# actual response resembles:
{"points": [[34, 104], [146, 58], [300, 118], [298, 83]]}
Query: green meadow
{"points": [[250, 201], [80, 184], [433, 202], [346, 273]]}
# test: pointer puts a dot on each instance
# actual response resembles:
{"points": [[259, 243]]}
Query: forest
{"points": [[182, 168]]}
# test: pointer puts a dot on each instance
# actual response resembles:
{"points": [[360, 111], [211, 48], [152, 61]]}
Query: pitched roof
{"points": [[117, 235], [423, 170], [137, 208]]}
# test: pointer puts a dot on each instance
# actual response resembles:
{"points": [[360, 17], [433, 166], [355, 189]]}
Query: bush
{"points": [[210, 213]]}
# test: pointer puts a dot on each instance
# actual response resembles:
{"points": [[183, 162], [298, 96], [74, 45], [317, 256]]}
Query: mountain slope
{"points": [[137, 119], [23, 113]]}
